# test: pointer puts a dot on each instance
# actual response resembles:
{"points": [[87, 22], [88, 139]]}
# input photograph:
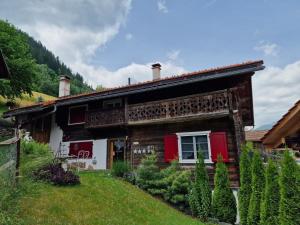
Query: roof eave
{"points": [[257, 66], [155, 86]]}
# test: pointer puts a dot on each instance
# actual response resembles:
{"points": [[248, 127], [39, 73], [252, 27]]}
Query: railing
{"points": [[193, 105], [207, 104], [105, 118]]}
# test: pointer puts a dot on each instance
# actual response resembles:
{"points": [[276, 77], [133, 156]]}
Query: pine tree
{"points": [[245, 183], [270, 203], [257, 183], [223, 200], [289, 180], [200, 194]]}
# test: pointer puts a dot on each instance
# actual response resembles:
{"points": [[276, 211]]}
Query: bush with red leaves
{"points": [[55, 174]]}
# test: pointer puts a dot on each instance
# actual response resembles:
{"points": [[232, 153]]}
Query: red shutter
{"points": [[171, 147], [218, 144], [86, 146]]}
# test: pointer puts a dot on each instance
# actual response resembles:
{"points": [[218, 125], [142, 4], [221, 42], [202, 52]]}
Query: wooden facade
{"points": [[137, 118]]}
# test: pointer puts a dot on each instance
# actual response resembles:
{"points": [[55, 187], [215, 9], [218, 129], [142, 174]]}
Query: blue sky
{"points": [[108, 41], [206, 33]]}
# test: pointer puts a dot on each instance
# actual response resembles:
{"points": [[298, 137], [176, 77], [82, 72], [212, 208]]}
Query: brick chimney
{"points": [[156, 71], [64, 86]]}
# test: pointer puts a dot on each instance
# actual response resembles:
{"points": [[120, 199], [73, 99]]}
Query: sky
{"points": [[108, 41]]}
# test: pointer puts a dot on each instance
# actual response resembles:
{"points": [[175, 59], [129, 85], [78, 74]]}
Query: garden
{"points": [[47, 194]]}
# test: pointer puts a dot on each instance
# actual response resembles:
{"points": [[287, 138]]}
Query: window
{"points": [[114, 103], [77, 114], [189, 144]]}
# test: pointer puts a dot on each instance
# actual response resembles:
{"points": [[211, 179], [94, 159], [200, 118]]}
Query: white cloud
{"points": [[269, 49], [119, 77], [128, 36], [162, 6], [275, 90], [71, 31], [173, 55]]}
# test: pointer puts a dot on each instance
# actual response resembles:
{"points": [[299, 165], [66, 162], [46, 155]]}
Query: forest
{"points": [[45, 66]]}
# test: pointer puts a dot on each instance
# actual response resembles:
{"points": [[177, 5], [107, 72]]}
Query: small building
{"points": [[255, 136], [175, 117], [286, 132]]}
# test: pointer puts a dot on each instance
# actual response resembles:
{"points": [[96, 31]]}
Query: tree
{"points": [[200, 194], [19, 60], [270, 203], [245, 183], [148, 173], [289, 180], [223, 200], [257, 183]]}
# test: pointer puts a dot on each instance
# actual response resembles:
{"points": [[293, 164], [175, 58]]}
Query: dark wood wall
{"points": [[153, 135]]}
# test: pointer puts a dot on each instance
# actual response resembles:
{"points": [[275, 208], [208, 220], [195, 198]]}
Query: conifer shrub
{"points": [[177, 192], [270, 202], [244, 193], [289, 180], [257, 183], [223, 200], [148, 173], [200, 193]]}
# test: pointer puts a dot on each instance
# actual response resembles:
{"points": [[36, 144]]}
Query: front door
{"points": [[116, 151]]}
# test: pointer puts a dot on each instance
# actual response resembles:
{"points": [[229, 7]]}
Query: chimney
{"points": [[156, 71], [64, 86]]}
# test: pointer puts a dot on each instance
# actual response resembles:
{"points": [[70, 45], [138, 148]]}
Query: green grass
{"points": [[100, 199]]}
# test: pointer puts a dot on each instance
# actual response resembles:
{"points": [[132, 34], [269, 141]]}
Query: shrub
{"points": [[289, 180], [120, 168], [223, 200], [177, 192], [244, 193], [130, 177], [148, 173], [200, 194], [257, 183], [270, 202], [55, 174], [34, 156], [166, 177]]}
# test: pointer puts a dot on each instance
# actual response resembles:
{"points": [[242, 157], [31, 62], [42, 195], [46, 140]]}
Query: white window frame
{"points": [[77, 106], [184, 134]]}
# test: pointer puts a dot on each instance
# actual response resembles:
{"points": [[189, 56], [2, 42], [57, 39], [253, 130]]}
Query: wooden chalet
{"points": [[286, 132], [175, 117]]}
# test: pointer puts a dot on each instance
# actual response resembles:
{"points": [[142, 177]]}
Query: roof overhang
{"points": [[159, 85], [287, 125], [201, 76]]}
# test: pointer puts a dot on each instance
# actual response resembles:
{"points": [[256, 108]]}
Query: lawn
{"points": [[100, 199]]}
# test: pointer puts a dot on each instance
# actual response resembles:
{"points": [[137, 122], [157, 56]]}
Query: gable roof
{"points": [[4, 72], [255, 135], [287, 125], [172, 81]]}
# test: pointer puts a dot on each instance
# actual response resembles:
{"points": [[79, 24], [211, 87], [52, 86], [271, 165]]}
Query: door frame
{"points": [[110, 156]]}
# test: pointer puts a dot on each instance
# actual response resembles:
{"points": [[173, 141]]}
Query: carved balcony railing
{"points": [[207, 104], [105, 118]]}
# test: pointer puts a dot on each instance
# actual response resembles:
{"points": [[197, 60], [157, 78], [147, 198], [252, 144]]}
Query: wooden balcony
{"points": [[180, 109], [199, 106], [105, 118]]}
